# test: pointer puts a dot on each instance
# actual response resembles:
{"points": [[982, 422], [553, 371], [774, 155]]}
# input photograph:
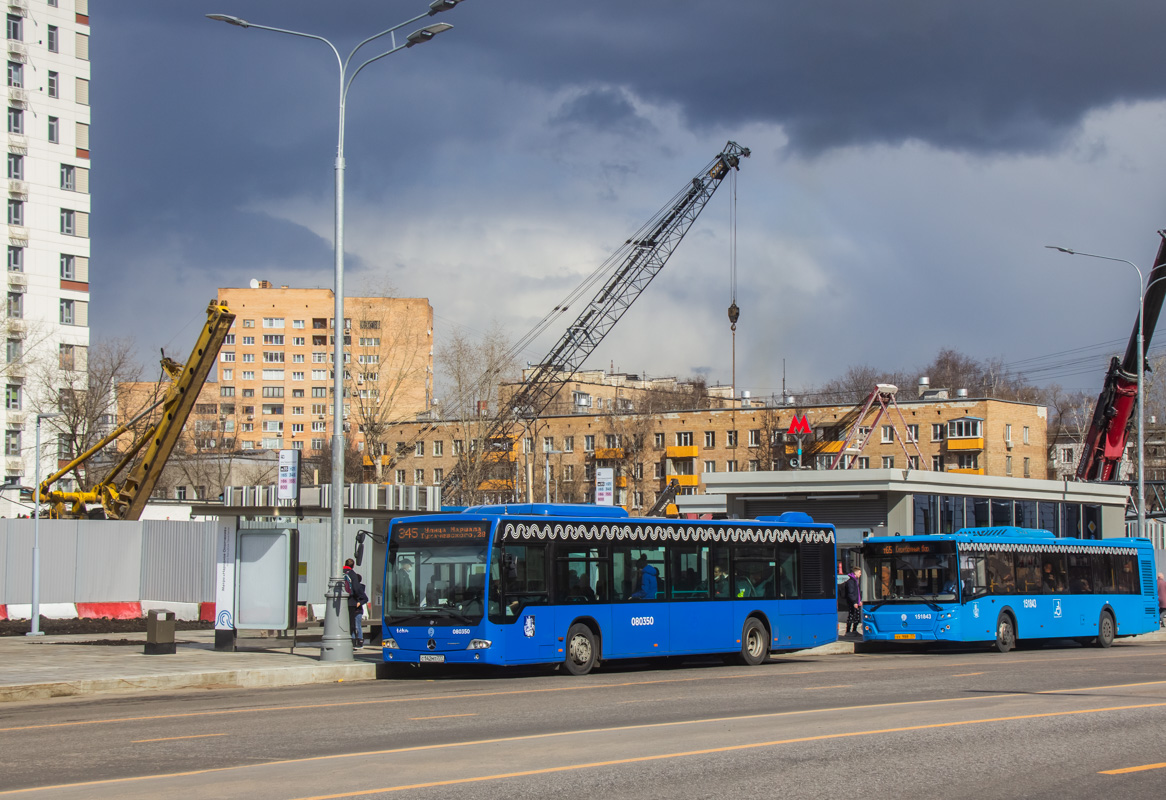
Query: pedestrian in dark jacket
{"points": [[357, 599], [853, 594]]}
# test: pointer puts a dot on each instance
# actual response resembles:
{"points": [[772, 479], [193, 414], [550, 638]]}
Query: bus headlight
{"points": [[390, 644], [479, 644]]}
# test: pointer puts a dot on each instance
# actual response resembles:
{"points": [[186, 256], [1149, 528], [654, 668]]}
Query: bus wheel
{"points": [[1005, 633], [754, 642], [1105, 630], [580, 650]]}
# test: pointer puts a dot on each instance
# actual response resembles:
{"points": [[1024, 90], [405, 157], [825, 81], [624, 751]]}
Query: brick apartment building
{"points": [[648, 448]]}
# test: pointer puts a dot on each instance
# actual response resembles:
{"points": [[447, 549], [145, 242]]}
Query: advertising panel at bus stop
{"points": [[604, 486]]}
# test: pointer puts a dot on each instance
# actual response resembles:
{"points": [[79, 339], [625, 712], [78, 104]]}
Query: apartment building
{"points": [[46, 321], [274, 384], [648, 449]]}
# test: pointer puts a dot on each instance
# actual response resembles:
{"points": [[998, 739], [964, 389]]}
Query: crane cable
{"points": [[734, 311]]}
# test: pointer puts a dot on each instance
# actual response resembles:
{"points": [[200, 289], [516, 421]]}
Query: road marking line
{"points": [[536, 736], [175, 738], [817, 688], [471, 695], [714, 750], [1132, 769], [968, 674], [443, 716]]}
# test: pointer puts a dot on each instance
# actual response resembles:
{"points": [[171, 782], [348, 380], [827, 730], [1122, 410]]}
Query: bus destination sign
{"points": [[441, 532], [904, 548]]}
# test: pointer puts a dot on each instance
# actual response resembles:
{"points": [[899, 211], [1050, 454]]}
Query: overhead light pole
{"points": [[35, 630], [336, 643], [1141, 373]]}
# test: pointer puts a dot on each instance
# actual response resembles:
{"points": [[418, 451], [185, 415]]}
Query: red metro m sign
{"points": [[799, 425]]}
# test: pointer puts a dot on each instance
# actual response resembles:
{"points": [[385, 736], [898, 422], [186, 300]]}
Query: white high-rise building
{"points": [[47, 319]]}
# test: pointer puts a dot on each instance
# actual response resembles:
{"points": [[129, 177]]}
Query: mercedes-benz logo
{"points": [[432, 645]]}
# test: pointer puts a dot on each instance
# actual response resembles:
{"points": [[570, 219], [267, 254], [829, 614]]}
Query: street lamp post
{"points": [[547, 473], [35, 630], [1141, 373], [336, 644]]}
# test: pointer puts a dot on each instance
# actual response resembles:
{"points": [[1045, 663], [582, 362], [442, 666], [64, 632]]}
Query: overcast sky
{"points": [[910, 160]]}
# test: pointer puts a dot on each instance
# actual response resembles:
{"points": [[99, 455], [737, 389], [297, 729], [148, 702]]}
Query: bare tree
{"points": [[82, 387], [470, 373], [388, 379]]}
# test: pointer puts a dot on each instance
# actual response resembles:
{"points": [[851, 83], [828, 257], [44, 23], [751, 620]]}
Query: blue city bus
{"points": [[1006, 584], [577, 584]]}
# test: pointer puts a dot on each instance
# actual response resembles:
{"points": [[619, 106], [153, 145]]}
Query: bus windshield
{"points": [[910, 573], [436, 581]]}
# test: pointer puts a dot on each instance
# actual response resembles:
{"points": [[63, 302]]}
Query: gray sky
{"points": [[910, 159]]}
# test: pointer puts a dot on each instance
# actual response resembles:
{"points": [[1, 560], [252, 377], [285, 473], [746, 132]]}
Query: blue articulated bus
{"points": [[1006, 584], [576, 584]]}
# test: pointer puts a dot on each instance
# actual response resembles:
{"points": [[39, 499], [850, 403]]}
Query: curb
{"points": [[225, 679]]}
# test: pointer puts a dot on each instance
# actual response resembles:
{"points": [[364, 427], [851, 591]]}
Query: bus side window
{"points": [[787, 571], [1127, 574], [1000, 576], [1103, 573], [1081, 573], [1028, 579]]}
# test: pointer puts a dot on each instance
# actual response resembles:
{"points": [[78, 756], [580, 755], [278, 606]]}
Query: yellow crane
{"points": [[124, 500]]}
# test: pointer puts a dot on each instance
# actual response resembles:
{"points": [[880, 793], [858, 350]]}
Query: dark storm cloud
{"points": [[607, 109]]}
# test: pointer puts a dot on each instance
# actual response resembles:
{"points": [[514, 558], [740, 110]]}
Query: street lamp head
{"points": [[426, 33], [437, 6], [48, 415], [1060, 249], [227, 18]]}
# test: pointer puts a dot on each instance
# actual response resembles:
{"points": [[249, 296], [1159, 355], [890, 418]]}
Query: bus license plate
{"points": [[430, 658], [897, 636]]}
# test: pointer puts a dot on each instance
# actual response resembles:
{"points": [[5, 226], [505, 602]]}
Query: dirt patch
{"points": [[55, 627]]}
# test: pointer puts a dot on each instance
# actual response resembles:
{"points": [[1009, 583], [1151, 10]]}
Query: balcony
{"points": [[966, 471], [683, 480], [965, 444], [621, 482], [496, 485], [681, 451], [609, 453]]}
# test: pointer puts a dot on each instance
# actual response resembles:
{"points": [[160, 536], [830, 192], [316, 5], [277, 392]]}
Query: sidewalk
{"points": [[60, 666]]}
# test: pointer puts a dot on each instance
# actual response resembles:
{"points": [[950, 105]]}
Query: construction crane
{"points": [[638, 261], [1105, 442], [125, 500], [882, 395]]}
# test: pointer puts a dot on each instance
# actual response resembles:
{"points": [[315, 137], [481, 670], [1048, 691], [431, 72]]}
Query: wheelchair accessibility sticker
{"points": [[1056, 609], [528, 626]]}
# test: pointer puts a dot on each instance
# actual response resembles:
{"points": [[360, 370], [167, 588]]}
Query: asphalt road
{"points": [[1051, 722]]}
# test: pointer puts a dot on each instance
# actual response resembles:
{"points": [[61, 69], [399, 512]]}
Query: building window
{"points": [[589, 443], [438, 448], [15, 212], [1024, 434], [66, 357], [12, 443], [68, 312], [15, 120], [937, 463], [1007, 465], [68, 222], [710, 466], [548, 444], [568, 444], [54, 130], [15, 27], [754, 465], [888, 462], [12, 397], [684, 438], [658, 441], [964, 428], [912, 433], [912, 462], [1067, 455], [226, 391], [938, 431], [16, 166], [15, 74], [611, 440], [730, 466], [755, 438], [419, 449], [54, 84], [273, 322], [418, 476], [15, 305], [730, 438], [54, 39], [710, 438], [888, 434], [969, 461], [1027, 467], [68, 267], [438, 476], [568, 472], [15, 258]]}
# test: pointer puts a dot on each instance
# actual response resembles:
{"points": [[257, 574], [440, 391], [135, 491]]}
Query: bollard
{"points": [[160, 632]]}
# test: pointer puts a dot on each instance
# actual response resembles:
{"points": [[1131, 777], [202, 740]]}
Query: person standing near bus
{"points": [[1161, 599], [357, 599], [853, 593]]}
